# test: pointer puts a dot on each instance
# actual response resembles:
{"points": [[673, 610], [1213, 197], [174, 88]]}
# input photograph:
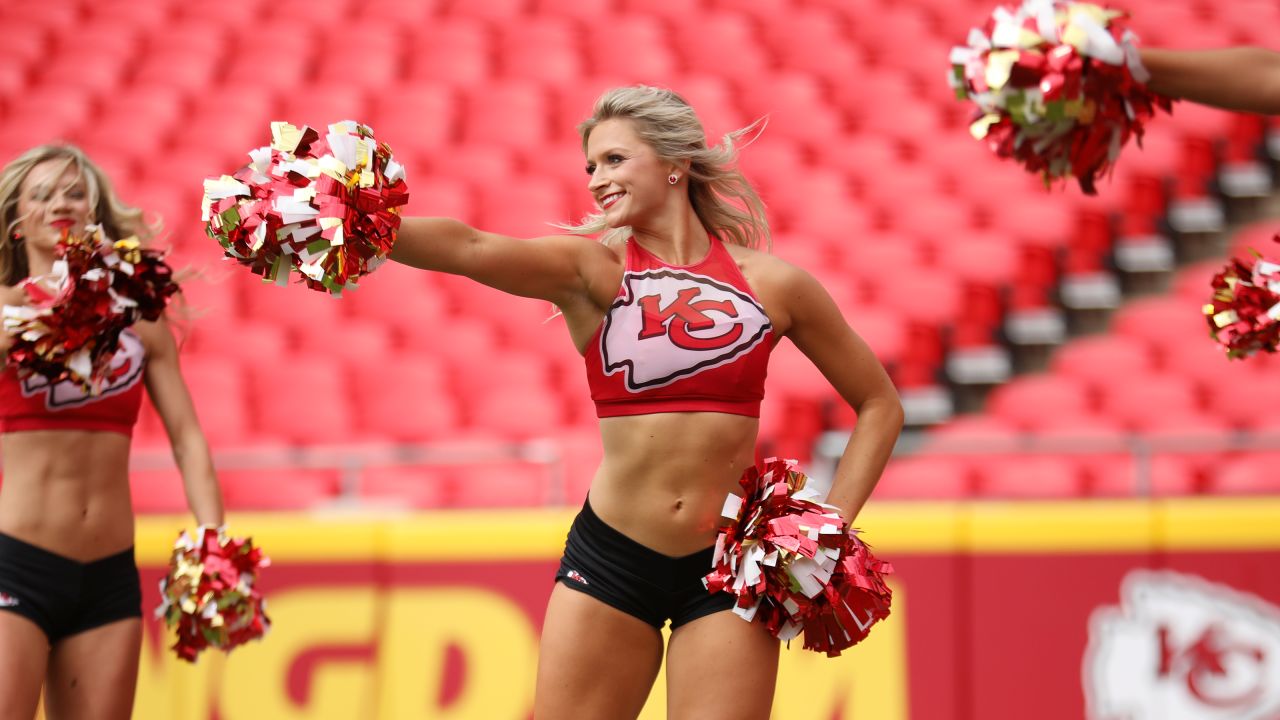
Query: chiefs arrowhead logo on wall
{"points": [[126, 370], [1182, 648], [671, 324]]}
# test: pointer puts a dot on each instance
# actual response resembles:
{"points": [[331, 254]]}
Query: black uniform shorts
{"points": [[620, 572], [65, 597]]}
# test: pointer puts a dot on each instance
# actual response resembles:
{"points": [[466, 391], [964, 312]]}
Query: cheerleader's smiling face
{"points": [[53, 198], [628, 179]]}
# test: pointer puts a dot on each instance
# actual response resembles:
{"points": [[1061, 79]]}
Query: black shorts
{"points": [[63, 596], [637, 580]]}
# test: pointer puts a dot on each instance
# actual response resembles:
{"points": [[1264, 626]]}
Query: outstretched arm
{"points": [[554, 268], [1245, 79], [818, 329], [168, 392]]}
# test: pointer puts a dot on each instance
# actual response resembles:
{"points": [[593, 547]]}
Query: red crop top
{"points": [[34, 404], [680, 338]]}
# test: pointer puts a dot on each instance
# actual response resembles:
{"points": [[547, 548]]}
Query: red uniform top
{"points": [[35, 404], [680, 338]]}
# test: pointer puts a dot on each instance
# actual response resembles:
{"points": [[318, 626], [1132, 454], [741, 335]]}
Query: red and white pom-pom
{"points": [[1059, 86], [795, 565], [210, 595], [325, 207], [1244, 315], [70, 327]]}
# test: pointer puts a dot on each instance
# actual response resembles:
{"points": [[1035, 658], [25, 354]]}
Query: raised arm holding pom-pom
{"points": [[1244, 79], [675, 313], [70, 603]]}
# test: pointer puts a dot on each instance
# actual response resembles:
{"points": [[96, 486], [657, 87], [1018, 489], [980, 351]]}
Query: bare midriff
{"points": [[665, 476], [67, 491]]}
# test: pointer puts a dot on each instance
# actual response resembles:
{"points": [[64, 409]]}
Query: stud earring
{"points": [[672, 179]]}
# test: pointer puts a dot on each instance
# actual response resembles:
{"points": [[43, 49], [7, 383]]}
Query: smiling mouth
{"points": [[63, 224], [608, 200]]}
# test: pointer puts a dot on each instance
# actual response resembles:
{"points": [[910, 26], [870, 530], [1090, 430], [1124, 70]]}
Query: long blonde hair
{"points": [[117, 219], [725, 202]]}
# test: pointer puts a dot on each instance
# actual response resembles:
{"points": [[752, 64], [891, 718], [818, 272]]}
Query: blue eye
{"points": [[591, 169]]}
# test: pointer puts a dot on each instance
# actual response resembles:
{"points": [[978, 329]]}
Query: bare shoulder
{"points": [[601, 266], [156, 336], [767, 272], [782, 287]]}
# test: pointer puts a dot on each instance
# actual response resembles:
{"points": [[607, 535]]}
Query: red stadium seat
{"points": [[301, 399], [453, 50], [810, 40], [795, 103], [1098, 359], [584, 10], [195, 36], [88, 69], [1258, 235], [1165, 476], [219, 390], [1200, 440], [490, 107], [420, 117], [974, 255], [35, 16], [1142, 401], [1164, 322], [651, 58], [703, 44], [521, 413], [979, 433], [235, 15], [363, 68], [408, 12], [497, 11], [1193, 282], [363, 344], [405, 398], [240, 133], [881, 330], [397, 297], [794, 375], [294, 308], [1030, 476], [542, 49], [497, 485], [328, 103], [218, 336], [926, 478], [157, 491], [931, 298], [1034, 401], [406, 488], [47, 115], [189, 67], [522, 207], [715, 101], [287, 71], [580, 454], [1253, 474], [278, 489]]}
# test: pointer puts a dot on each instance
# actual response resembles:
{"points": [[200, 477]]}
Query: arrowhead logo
{"points": [[670, 324], [126, 370], [1182, 648]]}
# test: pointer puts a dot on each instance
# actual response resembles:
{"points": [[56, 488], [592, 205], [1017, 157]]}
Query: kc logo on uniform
{"points": [[671, 324]]}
